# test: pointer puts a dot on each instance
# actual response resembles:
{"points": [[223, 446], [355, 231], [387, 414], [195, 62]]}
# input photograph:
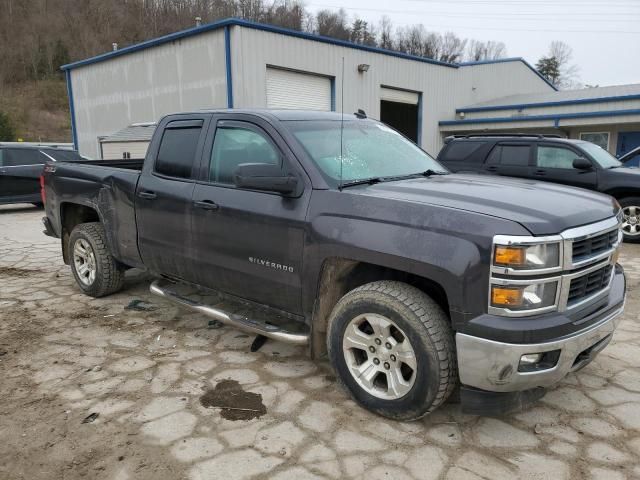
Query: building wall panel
{"points": [[187, 74]]}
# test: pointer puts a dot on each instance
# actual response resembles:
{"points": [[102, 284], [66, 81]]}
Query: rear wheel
{"points": [[96, 272], [631, 221], [392, 347]]}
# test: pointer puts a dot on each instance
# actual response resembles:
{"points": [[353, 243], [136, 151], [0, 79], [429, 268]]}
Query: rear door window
{"points": [[555, 157], [178, 149], [14, 157], [512, 155], [463, 152]]}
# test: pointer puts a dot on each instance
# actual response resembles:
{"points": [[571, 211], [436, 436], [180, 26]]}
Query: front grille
{"points": [[587, 285], [594, 245]]}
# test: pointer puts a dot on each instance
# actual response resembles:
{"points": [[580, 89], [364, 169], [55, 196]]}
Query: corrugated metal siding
{"points": [[443, 89], [287, 89], [115, 150], [400, 96], [187, 74]]}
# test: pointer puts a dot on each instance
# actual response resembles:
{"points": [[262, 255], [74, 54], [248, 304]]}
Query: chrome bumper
{"points": [[493, 366]]}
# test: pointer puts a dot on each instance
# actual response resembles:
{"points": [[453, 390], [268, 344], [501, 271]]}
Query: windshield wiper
{"points": [[429, 172], [369, 181]]}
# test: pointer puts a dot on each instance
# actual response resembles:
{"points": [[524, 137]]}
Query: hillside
{"points": [[38, 110]]}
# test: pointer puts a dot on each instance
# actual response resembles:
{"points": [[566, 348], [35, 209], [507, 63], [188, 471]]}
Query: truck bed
{"points": [[127, 164]]}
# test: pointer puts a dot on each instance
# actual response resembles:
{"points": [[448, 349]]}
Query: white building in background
{"points": [[606, 116], [235, 63], [130, 142]]}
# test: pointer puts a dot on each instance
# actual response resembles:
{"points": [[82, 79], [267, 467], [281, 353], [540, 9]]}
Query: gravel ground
{"points": [[90, 389]]}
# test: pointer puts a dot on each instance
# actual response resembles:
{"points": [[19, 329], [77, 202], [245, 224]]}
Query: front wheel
{"points": [[631, 221], [392, 347], [96, 272]]}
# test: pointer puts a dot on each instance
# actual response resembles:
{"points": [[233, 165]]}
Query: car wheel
{"points": [[392, 347], [631, 221], [96, 272]]}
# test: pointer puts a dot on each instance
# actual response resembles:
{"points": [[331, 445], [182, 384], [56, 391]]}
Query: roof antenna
{"points": [[341, 122]]}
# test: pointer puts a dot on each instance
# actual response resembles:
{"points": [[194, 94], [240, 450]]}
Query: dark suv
{"points": [[20, 169], [549, 158]]}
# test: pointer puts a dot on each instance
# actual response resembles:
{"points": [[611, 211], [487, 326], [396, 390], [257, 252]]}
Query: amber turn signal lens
{"points": [[506, 297], [510, 256]]}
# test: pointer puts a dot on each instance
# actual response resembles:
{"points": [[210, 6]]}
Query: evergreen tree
{"points": [[7, 134]]}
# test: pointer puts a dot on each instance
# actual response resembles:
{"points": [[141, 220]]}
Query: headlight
{"points": [[523, 297], [527, 257]]}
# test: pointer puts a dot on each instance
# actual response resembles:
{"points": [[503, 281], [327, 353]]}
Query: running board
{"points": [[239, 321]]}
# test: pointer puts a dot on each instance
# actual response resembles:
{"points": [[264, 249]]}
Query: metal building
{"points": [[236, 63], [606, 116]]}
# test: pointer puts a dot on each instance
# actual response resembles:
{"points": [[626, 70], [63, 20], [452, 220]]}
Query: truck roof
{"points": [[284, 115]]}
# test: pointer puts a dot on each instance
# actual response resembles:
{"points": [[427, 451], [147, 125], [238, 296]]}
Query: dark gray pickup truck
{"points": [[346, 237]]}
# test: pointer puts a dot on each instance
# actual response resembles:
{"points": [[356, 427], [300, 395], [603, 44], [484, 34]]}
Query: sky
{"points": [[604, 34]]}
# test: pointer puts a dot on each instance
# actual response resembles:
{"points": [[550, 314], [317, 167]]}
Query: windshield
{"points": [[600, 155], [369, 149]]}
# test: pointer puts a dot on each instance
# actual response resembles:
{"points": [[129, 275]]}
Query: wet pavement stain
{"points": [[234, 403]]}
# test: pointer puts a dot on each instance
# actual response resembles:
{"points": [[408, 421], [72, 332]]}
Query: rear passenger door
{"points": [[510, 159], [554, 163], [164, 197]]}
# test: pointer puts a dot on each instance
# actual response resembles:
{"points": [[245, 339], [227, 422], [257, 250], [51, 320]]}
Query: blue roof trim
{"points": [[529, 118], [510, 59], [227, 61], [557, 103], [72, 110], [256, 26]]}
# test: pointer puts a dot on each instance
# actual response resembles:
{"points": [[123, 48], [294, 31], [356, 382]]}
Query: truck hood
{"points": [[542, 208]]}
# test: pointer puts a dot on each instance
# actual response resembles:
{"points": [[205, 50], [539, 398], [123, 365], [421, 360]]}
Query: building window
{"points": [[126, 155], [599, 138]]}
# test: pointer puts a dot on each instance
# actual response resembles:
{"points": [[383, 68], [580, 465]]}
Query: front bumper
{"points": [[493, 366]]}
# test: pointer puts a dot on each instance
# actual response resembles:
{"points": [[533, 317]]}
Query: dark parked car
{"points": [[631, 159], [552, 159], [21, 167], [408, 278]]}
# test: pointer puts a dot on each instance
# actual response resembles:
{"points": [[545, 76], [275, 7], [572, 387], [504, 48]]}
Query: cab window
{"points": [[178, 148], [234, 145]]}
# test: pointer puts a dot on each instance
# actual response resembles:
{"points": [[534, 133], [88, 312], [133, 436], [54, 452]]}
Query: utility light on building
{"points": [[363, 67]]}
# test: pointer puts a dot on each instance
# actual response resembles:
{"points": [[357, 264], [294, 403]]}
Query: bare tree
{"points": [[556, 66], [491, 50], [385, 27], [332, 24]]}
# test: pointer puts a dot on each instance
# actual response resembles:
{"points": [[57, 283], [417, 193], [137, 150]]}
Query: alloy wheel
{"points": [[379, 356]]}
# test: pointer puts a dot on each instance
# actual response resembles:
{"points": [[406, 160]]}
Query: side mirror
{"points": [[582, 163], [263, 176]]}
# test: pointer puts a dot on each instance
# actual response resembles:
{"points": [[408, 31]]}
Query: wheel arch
{"points": [[341, 275], [71, 215]]}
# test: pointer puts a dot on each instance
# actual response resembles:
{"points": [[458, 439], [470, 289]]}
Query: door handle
{"points": [[206, 205], [540, 172], [492, 169], [148, 195]]}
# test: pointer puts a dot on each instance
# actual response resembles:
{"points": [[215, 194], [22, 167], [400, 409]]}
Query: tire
{"points": [[631, 223], [102, 274], [412, 316]]}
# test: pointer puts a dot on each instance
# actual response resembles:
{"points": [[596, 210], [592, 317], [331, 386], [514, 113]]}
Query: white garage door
{"points": [[286, 89], [399, 96]]}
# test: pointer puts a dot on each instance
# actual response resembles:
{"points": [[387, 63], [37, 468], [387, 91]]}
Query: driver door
{"points": [[555, 164], [248, 243]]}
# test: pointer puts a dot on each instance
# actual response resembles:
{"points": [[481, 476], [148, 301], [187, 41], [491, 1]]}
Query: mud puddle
{"points": [[234, 403]]}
